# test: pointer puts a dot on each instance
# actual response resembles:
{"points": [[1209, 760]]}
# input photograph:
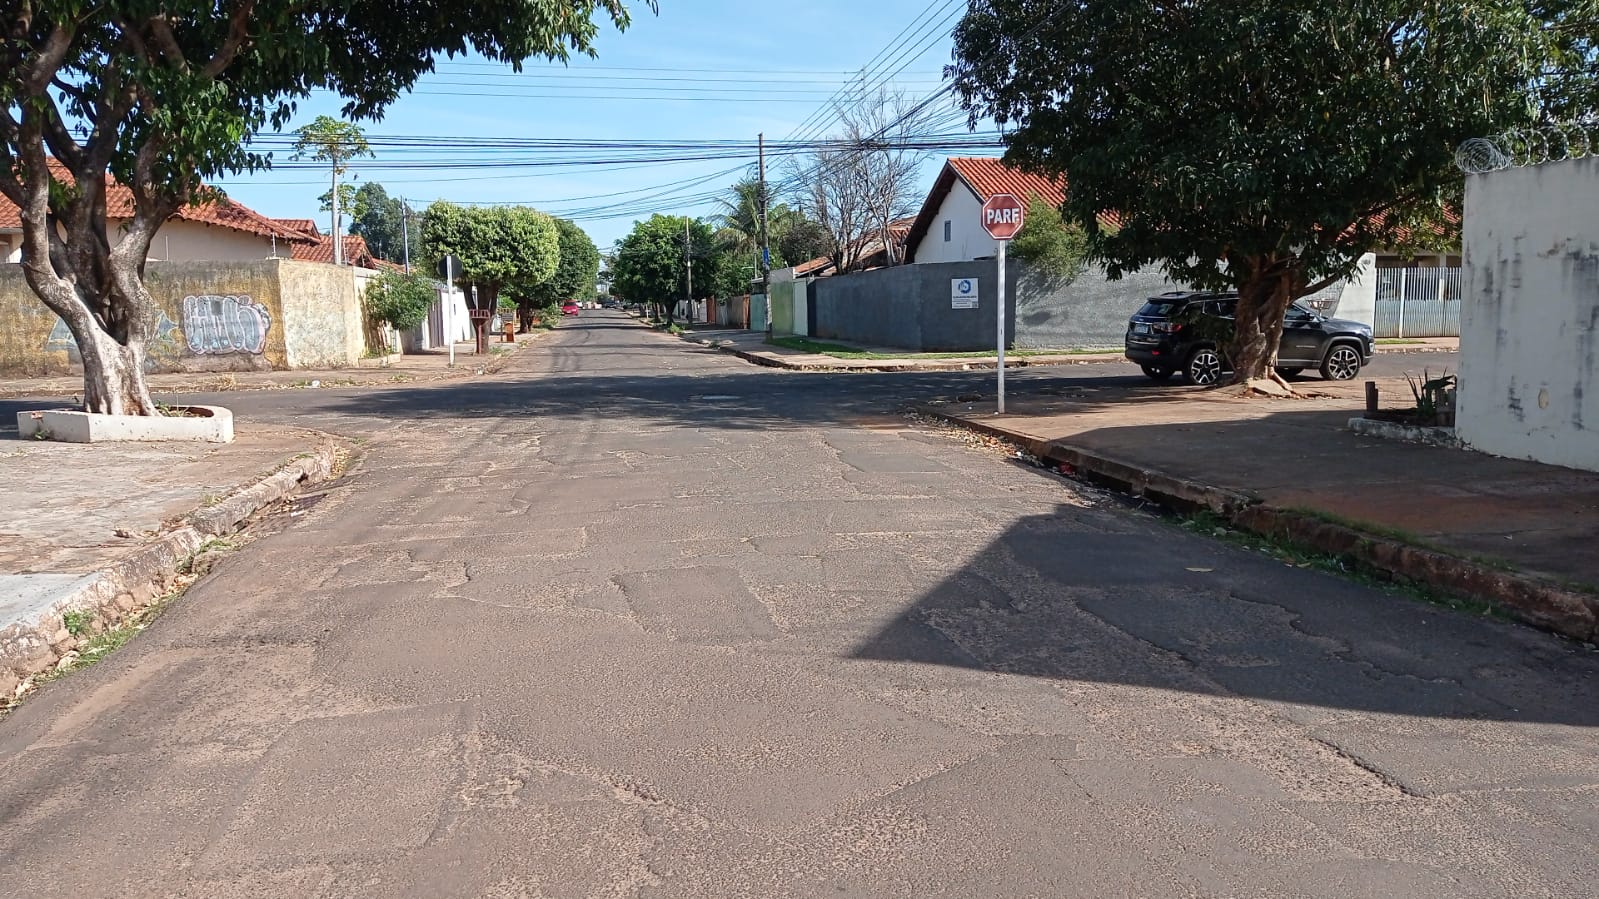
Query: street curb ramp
{"points": [[109, 596], [1530, 599]]}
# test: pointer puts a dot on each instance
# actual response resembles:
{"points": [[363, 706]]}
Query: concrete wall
{"points": [[1090, 310], [1530, 322], [210, 316], [908, 306], [790, 307], [323, 323], [963, 211]]}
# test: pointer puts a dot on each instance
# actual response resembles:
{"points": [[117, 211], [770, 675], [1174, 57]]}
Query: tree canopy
{"points": [[576, 271], [380, 219], [1262, 145], [164, 95], [500, 247], [651, 265]]}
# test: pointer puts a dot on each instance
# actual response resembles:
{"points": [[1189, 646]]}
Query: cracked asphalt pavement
{"points": [[636, 619]]}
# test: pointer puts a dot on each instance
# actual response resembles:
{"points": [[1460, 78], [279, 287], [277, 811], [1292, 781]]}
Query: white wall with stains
{"points": [[1529, 342]]}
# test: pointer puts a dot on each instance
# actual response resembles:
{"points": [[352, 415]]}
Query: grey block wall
{"points": [[909, 307], [1090, 310]]}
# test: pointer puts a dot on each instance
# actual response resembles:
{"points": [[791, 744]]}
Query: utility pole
{"points": [[766, 246], [405, 231], [688, 257], [338, 242]]}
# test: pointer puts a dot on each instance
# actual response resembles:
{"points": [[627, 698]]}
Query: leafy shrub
{"points": [[400, 299]]}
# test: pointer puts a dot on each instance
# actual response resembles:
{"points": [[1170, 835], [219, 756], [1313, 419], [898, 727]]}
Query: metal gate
{"points": [[1418, 302]]}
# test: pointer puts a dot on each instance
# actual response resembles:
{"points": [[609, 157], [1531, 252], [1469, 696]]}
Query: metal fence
{"points": [[1418, 302]]}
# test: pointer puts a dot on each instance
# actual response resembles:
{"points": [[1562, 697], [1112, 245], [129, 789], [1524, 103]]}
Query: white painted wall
{"points": [[1357, 297], [182, 241], [967, 239], [1530, 320]]}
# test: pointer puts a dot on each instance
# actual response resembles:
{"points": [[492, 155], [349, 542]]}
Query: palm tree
{"points": [[738, 223]]}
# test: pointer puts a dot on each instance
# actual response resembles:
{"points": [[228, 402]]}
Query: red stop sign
{"points": [[1002, 216]]}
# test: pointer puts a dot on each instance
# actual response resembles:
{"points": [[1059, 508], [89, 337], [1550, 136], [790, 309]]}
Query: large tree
{"points": [[575, 274], [511, 248], [380, 219], [651, 262], [163, 94], [1260, 145]]}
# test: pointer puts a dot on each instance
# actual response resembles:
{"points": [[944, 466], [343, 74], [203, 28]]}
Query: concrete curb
{"points": [[776, 360], [108, 596], [1530, 599]]}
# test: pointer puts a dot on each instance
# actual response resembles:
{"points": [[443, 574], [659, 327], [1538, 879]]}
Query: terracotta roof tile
{"points": [[222, 212], [304, 226], [355, 250]]}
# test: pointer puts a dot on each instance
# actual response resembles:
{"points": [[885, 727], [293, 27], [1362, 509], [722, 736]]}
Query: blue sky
{"points": [[748, 68]]}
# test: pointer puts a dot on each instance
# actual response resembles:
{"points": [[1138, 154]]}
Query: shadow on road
{"points": [[1223, 622]]}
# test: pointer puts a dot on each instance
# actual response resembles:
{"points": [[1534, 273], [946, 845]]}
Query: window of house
{"points": [[947, 223]]}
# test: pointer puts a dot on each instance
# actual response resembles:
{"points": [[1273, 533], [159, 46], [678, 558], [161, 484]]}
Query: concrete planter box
{"points": [[208, 424]]}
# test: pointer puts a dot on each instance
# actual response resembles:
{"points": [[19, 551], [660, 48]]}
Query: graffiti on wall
{"points": [[215, 325], [161, 347]]}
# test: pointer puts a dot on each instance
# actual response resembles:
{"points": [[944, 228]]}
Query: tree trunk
{"points": [[1263, 300], [113, 373]]}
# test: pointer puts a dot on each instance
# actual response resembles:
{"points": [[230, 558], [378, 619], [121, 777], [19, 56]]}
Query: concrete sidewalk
{"points": [[408, 369], [98, 530], [751, 346], [1518, 533]]}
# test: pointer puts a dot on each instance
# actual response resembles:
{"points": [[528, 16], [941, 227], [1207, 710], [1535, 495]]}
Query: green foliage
{"points": [[1049, 243], [1262, 145], [650, 261], [792, 237], [349, 202], [77, 622], [513, 248], [802, 240], [330, 140], [379, 219], [576, 270], [400, 299]]}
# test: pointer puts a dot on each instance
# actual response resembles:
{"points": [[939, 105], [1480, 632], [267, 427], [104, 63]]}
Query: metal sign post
{"points": [[449, 266], [1002, 218], [1000, 305]]}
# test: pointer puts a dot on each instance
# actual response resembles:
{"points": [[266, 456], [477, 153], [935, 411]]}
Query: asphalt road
{"points": [[635, 618]]}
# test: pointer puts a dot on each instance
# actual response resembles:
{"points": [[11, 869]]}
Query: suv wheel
{"points": [[1156, 373], [1342, 363], [1204, 367]]}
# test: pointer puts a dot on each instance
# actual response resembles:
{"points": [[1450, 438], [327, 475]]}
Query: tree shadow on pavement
{"points": [[1162, 608]]}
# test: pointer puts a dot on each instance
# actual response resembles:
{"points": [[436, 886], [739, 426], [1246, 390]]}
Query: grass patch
{"points": [[840, 351], [1297, 555], [1400, 341]]}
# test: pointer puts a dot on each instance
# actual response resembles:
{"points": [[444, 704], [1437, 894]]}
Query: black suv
{"points": [[1186, 332]]}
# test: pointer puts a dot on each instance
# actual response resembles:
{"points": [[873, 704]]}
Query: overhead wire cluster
{"points": [[919, 128]]}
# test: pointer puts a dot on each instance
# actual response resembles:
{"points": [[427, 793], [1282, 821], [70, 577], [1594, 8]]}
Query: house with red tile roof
{"points": [[217, 230], [949, 229]]}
